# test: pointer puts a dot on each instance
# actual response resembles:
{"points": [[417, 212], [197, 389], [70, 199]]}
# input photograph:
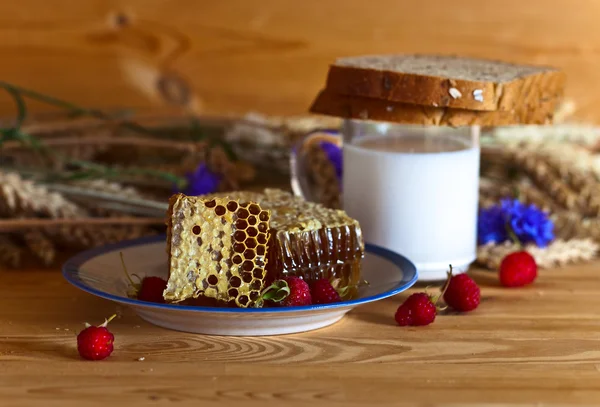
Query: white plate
{"points": [[99, 272]]}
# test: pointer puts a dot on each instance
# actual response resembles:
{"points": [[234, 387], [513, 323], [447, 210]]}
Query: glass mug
{"points": [[414, 189]]}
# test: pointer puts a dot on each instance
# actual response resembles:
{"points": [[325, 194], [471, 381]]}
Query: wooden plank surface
{"points": [[272, 55], [532, 346]]}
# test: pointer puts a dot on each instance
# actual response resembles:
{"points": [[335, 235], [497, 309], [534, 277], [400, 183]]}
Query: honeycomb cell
{"points": [[254, 295], [211, 204], [212, 279], [241, 224], [252, 232], [248, 265], [252, 220], [232, 206], [260, 250], [237, 259], [233, 293], [264, 216], [239, 247], [258, 273], [242, 213], [254, 209], [256, 284], [261, 239], [247, 277], [251, 243], [263, 227], [240, 236], [220, 210], [243, 300], [196, 230], [235, 281], [249, 254]]}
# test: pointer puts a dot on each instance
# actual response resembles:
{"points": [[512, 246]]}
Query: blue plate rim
{"points": [[71, 267]]}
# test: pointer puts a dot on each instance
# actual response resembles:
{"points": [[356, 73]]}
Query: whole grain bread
{"points": [[445, 81], [356, 107]]}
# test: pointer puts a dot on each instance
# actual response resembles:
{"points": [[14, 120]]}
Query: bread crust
{"points": [[435, 91], [356, 107]]}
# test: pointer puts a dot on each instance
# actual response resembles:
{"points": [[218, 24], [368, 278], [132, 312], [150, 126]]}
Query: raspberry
{"points": [[299, 293], [417, 310], [462, 293], [323, 292], [96, 342], [151, 290], [517, 269]]}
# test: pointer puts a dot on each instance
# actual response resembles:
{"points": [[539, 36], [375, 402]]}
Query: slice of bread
{"points": [[445, 81], [356, 107]]}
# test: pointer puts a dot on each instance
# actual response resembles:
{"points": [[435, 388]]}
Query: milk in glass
{"points": [[417, 194]]}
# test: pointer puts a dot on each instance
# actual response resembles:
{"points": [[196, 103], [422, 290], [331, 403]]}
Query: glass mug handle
{"points": [[301, 180]]}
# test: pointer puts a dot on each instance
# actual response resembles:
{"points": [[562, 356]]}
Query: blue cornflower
{"points": [[528, 223], [201, 181], [335, 156], [491, 226]]}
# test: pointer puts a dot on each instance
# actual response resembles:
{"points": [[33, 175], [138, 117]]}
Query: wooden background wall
{"points": [[272, 55]]}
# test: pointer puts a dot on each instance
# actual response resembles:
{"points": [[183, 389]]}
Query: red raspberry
{"points": [[462, 293], [151, 290], [417, 310], [323, 292], [517, 269], [299, 293], [95, 342]]}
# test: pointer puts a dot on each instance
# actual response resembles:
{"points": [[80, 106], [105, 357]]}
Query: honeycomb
{"points": [[217, 249], [308, 239]]}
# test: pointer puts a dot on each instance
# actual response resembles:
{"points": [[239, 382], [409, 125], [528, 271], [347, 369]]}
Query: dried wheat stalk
{"points": [[491, 191], [547, 178], [19, 197], [20, 224], [103, 185], [558, 253], [556, 172], [583, 182], [40, 246], [86, 237], [570, 225], [11, 253]]}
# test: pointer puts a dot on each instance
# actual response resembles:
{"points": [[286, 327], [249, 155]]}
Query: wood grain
{"points": [[532, 346], [272, 55]]}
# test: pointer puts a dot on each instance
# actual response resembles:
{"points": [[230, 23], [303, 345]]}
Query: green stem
{"points": [[20, 92], [513, 236], [517, 192], [21, 107], [167, 176], [125, 270]]}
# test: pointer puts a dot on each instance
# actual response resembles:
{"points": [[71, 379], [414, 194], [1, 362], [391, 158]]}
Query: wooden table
{"points": [[539, 344]]}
